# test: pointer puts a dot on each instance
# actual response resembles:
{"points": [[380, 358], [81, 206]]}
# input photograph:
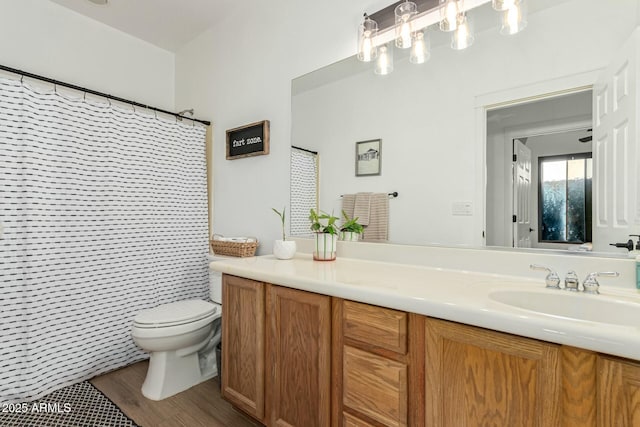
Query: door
{"points": [[243, 341], [615, 156], [521, 195], [298, 358], [618, 392], [478, 377]]}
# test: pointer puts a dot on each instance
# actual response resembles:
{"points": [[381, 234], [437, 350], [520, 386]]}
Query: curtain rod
{"points": [[93, 92], [304, 149]]}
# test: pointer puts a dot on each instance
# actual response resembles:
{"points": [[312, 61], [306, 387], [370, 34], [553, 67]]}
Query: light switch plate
{"points": [[462, 208]]}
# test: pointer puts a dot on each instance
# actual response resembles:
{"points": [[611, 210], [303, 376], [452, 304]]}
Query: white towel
{"points": [[348, 203], [362, 208], [378, 228]]}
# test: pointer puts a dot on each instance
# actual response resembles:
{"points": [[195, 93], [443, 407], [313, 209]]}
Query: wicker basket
{"points": [[239, 249]]}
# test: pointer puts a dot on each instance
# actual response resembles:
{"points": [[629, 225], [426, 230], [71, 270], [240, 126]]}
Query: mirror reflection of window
{"points": [[304, 189], [565, 198]]}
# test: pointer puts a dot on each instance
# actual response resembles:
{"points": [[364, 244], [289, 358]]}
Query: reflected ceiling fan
{"points": [[587, 138]]}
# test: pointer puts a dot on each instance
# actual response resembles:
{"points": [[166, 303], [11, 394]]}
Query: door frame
{"points": [[578, 123], [523, 94]]}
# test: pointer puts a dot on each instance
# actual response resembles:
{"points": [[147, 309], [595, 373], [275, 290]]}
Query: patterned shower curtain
{"points": [[104, 213], [304, 190]]}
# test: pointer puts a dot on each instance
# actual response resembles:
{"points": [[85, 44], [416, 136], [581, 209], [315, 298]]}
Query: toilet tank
{"points": [[215, 282]]}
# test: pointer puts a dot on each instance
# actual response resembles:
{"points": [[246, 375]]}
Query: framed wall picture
{"points": [[249, 140], [368, 157]]}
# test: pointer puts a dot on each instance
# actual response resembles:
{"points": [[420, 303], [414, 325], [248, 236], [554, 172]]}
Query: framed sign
{"points": [[368, 157], [248, 140]]}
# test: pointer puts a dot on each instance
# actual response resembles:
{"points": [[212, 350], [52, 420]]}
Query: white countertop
{"points": [[456, 295]]}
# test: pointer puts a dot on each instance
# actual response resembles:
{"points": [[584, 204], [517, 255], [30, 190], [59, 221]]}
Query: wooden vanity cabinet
{"points": [[478, 377], [295, 358], [378, 366], [243, 344]]}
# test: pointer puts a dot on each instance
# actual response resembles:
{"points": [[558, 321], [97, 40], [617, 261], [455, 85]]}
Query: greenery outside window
{"points": [[564, 198]]}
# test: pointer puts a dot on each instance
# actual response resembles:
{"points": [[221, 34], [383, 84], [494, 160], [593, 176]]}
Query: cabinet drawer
{"points": [[375, 386], [381, 327]]}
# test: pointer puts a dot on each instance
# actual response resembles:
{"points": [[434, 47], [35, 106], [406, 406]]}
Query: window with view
{"points": [[564, 198]]}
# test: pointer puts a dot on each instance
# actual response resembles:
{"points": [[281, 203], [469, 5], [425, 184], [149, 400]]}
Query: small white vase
{"points": [[284, 249], [349, 236], [325, 249]]}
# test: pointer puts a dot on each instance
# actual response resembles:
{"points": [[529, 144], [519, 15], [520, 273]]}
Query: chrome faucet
{"points": [[591, 284], [571, 282], [552, 280]]}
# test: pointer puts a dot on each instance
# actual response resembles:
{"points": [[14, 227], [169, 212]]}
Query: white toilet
{"points": [[181, 338]]}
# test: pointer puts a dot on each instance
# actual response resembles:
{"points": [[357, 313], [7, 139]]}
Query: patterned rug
{"points": [[79, 405]]}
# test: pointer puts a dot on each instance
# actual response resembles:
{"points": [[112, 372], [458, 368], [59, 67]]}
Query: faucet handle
{"points": [[591, 284], [571, 282], [552, 280]]}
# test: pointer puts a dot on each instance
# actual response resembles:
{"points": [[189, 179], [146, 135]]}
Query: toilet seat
{"points": [[176, 314]]}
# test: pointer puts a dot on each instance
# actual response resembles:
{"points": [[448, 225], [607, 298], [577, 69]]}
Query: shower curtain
{"points": [[104, 213], [304, 190]]}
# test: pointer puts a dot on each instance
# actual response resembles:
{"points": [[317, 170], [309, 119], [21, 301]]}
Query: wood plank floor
{"points": [[201, 405]]}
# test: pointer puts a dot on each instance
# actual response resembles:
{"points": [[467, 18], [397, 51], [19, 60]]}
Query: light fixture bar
{"points": [[421, 20]]}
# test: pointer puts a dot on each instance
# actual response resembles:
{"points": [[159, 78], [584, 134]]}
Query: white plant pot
{"points": [[284, 249], [349, 236], [325, 248]]}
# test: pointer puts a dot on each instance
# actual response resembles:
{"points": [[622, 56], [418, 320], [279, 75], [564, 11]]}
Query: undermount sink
{"points": [[592, 308]]}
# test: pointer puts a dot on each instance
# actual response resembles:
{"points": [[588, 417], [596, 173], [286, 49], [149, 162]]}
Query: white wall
{"points": [[499, 181], [41, 37], [425, 115], [240, 72]]}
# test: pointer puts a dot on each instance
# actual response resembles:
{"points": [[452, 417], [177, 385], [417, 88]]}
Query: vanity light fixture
{"points": [[419, 48], [404, 24], [514, 18], [462, 37], [449, 11], [405, 12], [367, 51], [384, 63]]}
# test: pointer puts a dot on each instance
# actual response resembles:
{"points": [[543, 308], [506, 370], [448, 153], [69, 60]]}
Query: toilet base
{"points": [[169, 373]]}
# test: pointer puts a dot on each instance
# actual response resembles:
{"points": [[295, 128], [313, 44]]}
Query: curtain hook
{"points": [[155, 112], [84, 96], [134, 108], [21, 78], [55, 88], [109, 99]]}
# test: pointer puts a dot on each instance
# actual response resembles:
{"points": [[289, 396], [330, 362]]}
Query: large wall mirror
{"points": [[448, 129]]}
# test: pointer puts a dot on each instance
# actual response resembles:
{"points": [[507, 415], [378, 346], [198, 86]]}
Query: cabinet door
{"points": [[298, 355], [477, 377], [243, 340], [618, 392]]}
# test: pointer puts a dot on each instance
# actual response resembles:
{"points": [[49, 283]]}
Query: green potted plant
{"points": [[283, 249], [326, 231], [350, 229]]}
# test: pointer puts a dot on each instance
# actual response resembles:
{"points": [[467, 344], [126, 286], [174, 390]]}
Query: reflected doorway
{"points": [[522, 211]]}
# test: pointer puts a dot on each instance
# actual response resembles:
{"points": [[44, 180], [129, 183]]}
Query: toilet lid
{"points": [[175, 313]]}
